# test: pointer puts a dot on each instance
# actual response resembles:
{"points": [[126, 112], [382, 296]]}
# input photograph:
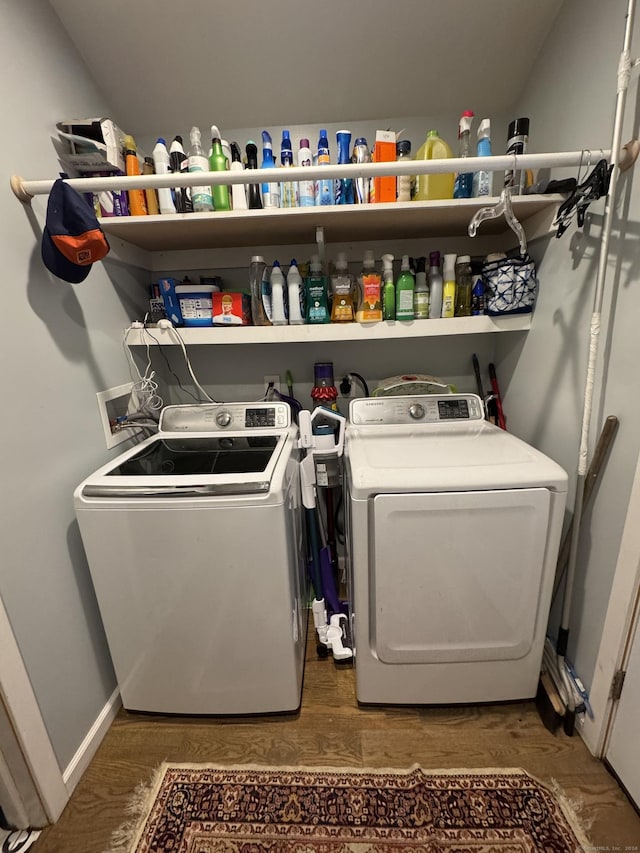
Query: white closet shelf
{"points": [[226, 229], [328, 332]]}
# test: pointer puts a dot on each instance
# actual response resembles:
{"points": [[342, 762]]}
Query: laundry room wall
{"points": [[60, 344], [570, 100]]}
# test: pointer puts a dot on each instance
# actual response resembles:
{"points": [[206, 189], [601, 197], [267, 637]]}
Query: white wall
{"points": [[60, 343], [571, 100]]}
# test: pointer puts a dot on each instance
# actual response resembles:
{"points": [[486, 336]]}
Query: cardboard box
{"points": [[91, 145], [384, 151]]}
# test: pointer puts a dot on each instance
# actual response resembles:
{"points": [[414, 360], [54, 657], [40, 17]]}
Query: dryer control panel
{"points": [[424, 409]]}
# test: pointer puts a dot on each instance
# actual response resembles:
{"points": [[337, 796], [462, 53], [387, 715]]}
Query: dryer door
{"points": [[457, 576]]}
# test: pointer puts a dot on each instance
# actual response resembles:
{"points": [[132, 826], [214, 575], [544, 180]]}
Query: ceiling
{"points": [[251, 63]]}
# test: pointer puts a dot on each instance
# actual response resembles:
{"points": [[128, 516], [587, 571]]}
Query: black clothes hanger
{"points": [[592, 188]]}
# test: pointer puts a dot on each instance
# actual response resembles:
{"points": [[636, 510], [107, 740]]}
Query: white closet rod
{"points": [[25, 190]]}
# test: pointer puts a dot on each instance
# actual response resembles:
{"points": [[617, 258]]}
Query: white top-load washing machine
{"points": [[453, 532], [195, 547]]}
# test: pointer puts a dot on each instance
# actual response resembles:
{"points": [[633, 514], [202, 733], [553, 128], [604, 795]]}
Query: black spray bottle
{"points": [[254, 197]]}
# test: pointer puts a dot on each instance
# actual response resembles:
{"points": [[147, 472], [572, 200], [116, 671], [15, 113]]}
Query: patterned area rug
{"points": [[247, 809]]}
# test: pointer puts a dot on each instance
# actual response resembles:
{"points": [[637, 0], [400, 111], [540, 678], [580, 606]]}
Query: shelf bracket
{"points": [[320, 243]]}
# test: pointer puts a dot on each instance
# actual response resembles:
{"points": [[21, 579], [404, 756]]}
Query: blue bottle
{"points": [[287, 188], [324, 187], [271, 191], [344, 186]]}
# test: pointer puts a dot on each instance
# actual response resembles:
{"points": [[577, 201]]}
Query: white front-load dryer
{"points": [[453, 531], [195, 548]]}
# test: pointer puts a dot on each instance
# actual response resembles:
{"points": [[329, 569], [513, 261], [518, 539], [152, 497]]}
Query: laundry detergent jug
{"points": [[429, 187]]}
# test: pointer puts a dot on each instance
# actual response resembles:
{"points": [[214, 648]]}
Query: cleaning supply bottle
{"points": [[287, 188], [388, 289], [342, 288], [257, 269], [464, 180], [306, 189], [238, 192], [296, 294], [316, 293], [483, 179], [150, 194], [218, 162], [201, 197], [370, 297], [162, 165], [404, 291], [403, 182], [518, 139], [435, 186], [344, 192], [464, 286], [270, 191], [421, 291], [478, 299], [448, 286], [324, 187], [180, 165], [254, 198], [361, 154], [435, 286], [137, 200], [278, 314]]}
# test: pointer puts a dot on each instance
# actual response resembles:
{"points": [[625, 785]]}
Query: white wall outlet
{"points": [[113, 403], [275, 378]]}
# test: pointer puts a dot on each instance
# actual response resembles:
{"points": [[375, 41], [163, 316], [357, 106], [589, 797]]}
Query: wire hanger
{"points": [[502, 207]]}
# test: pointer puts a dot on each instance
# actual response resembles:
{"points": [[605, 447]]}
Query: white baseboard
{"points": [[87, 749]]}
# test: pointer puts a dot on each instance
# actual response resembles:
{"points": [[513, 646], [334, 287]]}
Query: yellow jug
{"points": [[433, 186]]}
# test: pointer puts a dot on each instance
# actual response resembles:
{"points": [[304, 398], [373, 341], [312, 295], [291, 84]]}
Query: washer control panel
{"points": [[225, 417], [423, 409]]}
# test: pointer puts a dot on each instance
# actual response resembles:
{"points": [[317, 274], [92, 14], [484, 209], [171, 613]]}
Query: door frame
{"points": [[620, 620], [29, 732]]}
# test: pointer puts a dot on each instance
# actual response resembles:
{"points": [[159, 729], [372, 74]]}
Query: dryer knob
{"points": [[416, 411], [223, 419]]}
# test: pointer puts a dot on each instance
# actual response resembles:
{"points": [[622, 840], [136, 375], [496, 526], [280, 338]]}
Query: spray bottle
{"points": [[306, 189], [344, 186], [464, 181], [218, 162], [388, 289], [296, 294], [316, 293], [361, 154], [278, 313], [162, 164], [370, 285], [137, 200], [255, 201], [342, 287], [238, 192], [421, 291], [404, 291], [201, 197], [435, 286], [449, 286], [287, 188], [324, 187], [270, 191], [483, 179], [180, 164]]}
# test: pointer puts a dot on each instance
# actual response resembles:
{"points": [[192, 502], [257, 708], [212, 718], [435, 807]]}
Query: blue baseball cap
{"points": [[72, 239]]}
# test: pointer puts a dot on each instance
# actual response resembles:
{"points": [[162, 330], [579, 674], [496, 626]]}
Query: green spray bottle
{"points": [[388, 289], [218, 162], [404, 292]]}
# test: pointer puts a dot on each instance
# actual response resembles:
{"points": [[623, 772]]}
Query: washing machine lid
{"points": [[448, 446], [207, 450]]}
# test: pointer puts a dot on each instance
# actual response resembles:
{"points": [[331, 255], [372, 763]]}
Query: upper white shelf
{"points": [[398, 220], [385, 330]]}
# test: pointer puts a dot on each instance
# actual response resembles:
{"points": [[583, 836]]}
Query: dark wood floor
{"points": [[330, 729]]}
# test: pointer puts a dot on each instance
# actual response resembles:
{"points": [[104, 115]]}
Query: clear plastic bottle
{"points": [[342, 289], [464, 286], [463, 185], [361, 154], [257, 269], [201, 197], [421, 291], [435, 286], [404, 291], [403, 152]]}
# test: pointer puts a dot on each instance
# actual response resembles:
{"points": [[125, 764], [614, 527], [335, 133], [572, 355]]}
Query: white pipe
{"points": [[568, 159], [624, 73]]}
